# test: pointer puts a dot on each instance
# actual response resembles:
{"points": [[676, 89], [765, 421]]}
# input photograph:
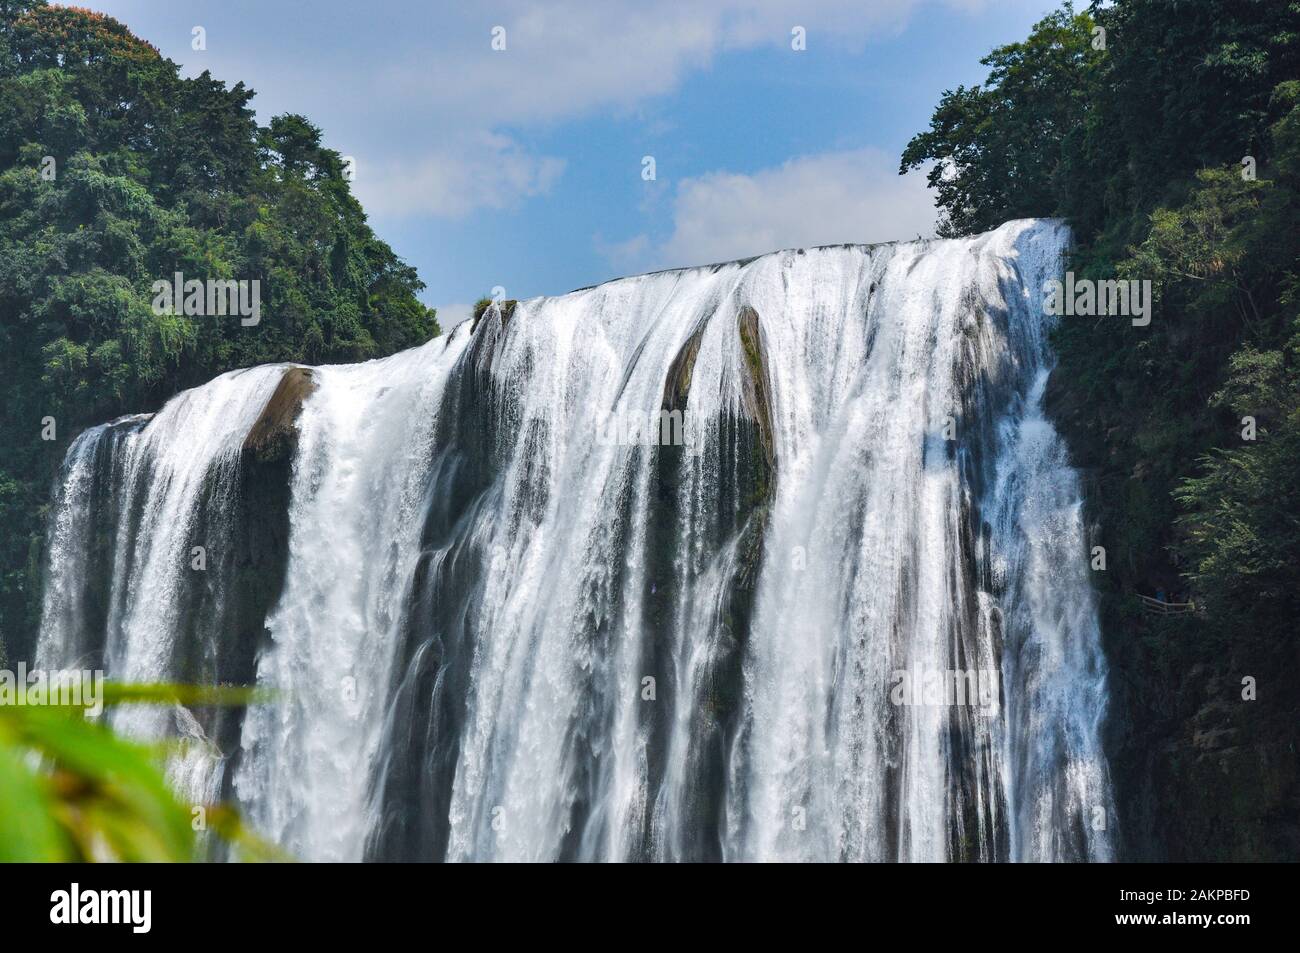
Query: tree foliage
{"points": [[1242, 521], [1174, 153], [1141, 122], [996, 149], [116, 172]]}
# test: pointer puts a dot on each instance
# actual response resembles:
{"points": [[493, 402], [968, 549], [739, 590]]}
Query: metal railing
{"points": [[1166, 608]]}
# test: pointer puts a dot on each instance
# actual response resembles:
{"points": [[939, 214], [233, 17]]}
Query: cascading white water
{"points": [[503, 635], [358, 488], [160, 471]]}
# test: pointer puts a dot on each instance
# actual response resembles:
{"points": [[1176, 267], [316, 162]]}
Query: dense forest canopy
{"points": [[1167, 132], [117, 172]]}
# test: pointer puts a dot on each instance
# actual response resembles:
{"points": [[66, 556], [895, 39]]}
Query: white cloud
{"points": [[826, 199], [450, 315], [482, 170], [626, 254], [565, 59], [571, 58], [419, 96]]}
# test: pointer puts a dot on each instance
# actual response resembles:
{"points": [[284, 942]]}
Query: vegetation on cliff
{"points": [[116, 173], [1168, 134]]}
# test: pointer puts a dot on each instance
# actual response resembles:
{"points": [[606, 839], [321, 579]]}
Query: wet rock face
{"points": [[274, 436], [1201, 775], [677, 386], [743, 485], [757, 389], [251, 530]]}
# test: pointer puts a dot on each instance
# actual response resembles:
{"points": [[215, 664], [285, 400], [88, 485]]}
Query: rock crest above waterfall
{"points": [[273, 435]]}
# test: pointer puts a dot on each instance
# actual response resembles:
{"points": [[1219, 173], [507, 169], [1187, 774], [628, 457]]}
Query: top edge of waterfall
{"points": [[468, 328], [833, 246]]}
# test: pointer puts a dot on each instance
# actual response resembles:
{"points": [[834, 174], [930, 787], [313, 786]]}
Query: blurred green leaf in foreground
{"points": [[73, 790]]}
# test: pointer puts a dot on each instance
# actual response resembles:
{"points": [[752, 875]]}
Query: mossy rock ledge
{"points": [[274, 435], [756, 389]]}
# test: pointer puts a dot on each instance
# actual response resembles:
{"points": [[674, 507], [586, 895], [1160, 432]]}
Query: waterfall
{"points": [[768, 560], [359, 489]]}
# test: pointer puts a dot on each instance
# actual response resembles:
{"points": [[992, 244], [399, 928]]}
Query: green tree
{"points": [[1242, 522], [996, 148], [116, 172]]}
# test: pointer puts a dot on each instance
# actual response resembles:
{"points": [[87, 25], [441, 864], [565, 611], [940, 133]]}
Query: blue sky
{"points": [[523, 167]]}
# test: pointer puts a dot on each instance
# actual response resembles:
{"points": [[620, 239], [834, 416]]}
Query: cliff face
{"points": [[1200, 772]]}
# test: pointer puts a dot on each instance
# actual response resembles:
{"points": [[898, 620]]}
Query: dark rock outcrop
{"points": [[756, 390], [273, 436], [504, 309], [245, 520], [677, 385]]}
